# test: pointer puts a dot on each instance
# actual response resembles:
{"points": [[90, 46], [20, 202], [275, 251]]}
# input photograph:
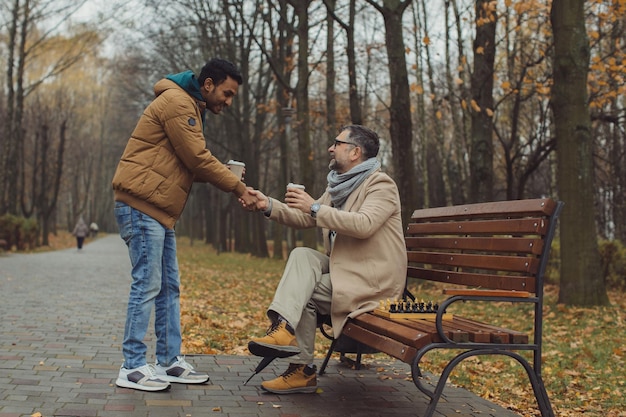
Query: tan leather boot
{"points": [[297, 378], [280, 341]]}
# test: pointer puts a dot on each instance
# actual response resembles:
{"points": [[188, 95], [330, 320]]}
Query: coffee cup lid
{"points": [[233, 162]]}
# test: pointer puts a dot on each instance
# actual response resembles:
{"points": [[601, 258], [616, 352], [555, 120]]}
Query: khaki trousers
{"points": [[304, 290]]}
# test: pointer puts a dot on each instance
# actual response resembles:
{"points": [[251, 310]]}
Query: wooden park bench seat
{"points": [[487, 252]]}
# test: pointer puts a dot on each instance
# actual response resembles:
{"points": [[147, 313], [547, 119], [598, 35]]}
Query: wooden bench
{"points": [[487, 252]]}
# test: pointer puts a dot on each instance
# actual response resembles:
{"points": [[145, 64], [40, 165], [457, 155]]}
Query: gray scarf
{"points": [[340, 186]]}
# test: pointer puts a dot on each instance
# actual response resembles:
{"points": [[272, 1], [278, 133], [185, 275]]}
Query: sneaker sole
{"points": [[125, 383], [178, 380], [301, 390], [272, 351]]}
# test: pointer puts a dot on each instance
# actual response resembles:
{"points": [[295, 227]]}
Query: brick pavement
{"points": [[62, 320]]}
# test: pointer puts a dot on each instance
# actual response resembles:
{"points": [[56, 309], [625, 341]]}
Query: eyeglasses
{"points": [[339, 142]]}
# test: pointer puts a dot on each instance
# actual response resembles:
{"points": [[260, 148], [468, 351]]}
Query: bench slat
{"points": [[513, 335], [484, 333], [387, 327], [523, 264], [381, 343], [476, 335], [526, 226], [487, 244], [520, 208], [425, 326], [502, 282], [459, 329], [409, 336]]}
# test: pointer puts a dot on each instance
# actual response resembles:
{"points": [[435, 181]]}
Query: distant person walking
{"points": [[80, 231], [93, 228]]}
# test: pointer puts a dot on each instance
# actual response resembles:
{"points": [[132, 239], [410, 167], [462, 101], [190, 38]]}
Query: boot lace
{"points": [[293, 368], [273, 328]]}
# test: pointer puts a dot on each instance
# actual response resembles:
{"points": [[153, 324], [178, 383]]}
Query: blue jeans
{"points": [[156, 282]]}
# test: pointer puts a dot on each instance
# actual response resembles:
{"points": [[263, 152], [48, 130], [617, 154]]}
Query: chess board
{"points": [[412, 310]]}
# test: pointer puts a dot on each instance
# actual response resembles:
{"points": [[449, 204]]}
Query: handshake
{"points": [[295, 197], [254, 200]]}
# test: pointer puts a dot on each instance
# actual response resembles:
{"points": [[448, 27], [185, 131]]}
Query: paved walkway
{"points": [[62, 317]]}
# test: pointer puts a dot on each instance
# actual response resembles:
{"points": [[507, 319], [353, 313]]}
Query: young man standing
{"points": [[165, 154]]}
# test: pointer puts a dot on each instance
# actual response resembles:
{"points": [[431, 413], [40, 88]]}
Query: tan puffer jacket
{"points": [[165, 154]]}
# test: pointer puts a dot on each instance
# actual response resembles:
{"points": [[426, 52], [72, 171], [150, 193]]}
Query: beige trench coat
{"points": [[368, 260]]}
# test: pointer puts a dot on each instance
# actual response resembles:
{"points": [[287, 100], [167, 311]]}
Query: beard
{"points": [[332, 164], [216, 109]]}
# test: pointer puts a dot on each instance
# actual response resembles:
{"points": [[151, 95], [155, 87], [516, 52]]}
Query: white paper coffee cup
{"points": [[236, 167], [298, 186]]}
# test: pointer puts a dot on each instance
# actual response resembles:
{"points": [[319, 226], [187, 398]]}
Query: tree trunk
{"points": [[355, 104], [400, 124], [50, 185], [15, 82], [581, 282], [282, 56], [9, 127], [356, 114], [454, 157], [465, 133], [305, 157], [331, 106], [252, 143], [422, 131], [618, 155], [619, 181], [481, 155], [434, 141]]}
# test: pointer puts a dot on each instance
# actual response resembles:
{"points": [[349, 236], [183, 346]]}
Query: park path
{"points": [[62, 318]]}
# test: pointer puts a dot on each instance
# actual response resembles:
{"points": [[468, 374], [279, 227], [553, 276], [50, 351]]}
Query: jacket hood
{"points": [[188, 82]]}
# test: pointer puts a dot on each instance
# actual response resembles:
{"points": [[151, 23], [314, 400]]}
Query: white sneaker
{"points": [[143, 378], [181, 372]]}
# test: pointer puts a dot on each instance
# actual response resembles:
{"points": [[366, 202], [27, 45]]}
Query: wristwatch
{"points": [[315, 207]]}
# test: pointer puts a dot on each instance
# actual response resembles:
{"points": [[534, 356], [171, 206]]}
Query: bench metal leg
{"points": [[356, 363], [331, 349], [359, 354], [536, 382]]}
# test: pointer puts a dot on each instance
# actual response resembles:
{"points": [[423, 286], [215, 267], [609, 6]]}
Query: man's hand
{"points": [[248, 200], [299, 199], [258, 202]]}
